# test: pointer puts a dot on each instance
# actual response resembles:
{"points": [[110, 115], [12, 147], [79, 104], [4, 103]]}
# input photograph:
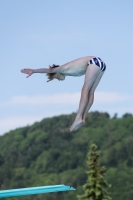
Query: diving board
{"points": [[34, 190]]}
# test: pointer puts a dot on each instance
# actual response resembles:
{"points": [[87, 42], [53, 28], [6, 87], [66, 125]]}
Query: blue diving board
{"points": [[34, 190]]}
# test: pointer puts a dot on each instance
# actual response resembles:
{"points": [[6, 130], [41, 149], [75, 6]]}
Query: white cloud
{"points": [[10, 123], [112, 97], [66, 98], [37, 108]]}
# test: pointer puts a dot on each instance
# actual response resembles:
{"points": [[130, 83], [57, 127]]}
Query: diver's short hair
{"points": [[50, 76]]}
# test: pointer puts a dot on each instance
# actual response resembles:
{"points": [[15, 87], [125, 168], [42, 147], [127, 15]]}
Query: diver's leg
{"points": [[91, 95], [91, 75]]}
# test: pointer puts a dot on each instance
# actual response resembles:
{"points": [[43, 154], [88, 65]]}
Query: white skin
{"points": [[77, 67]]}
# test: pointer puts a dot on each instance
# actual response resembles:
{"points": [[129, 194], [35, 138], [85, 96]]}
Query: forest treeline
{"points": [[46, 153]]}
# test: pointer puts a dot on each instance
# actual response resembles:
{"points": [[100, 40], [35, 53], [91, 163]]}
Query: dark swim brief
{"points": [[98, 62]]}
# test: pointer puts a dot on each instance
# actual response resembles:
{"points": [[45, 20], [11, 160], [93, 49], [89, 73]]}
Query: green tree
{"points": [[95, 186]]}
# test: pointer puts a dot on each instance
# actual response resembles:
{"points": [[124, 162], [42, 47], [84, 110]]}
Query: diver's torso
{"points": [[78, 68]]}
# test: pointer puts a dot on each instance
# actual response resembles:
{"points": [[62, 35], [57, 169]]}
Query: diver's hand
{"points": [[27, 71]]}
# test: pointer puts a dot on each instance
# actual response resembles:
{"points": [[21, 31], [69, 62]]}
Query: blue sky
{"points": [[37, 33]]}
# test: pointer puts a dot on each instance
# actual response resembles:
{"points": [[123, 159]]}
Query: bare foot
{"points": [[76, 125], [79, 126]]}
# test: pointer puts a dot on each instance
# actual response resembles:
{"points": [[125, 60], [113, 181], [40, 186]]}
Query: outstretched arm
{"points": [[70, 67], [41, 70]]}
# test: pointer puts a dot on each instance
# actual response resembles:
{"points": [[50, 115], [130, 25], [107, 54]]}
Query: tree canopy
{"points": [[46, 153]]}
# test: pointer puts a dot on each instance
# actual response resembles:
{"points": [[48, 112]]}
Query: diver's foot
{"points": [[80, 125], [76, 125]]}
